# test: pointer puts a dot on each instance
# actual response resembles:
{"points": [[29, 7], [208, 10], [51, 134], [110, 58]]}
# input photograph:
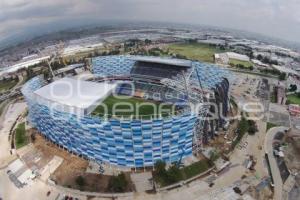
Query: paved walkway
{"points": [[268, 146], [10, 117], [142, 181]]}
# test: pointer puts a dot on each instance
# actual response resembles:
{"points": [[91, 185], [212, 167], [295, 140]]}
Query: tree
{"points": [[293, 88], [282, 76], [160, 167], [32, 136], [180, 56], [231, 64], [29, 72], [251, 67], [259, 57], [80, 181], [192, 41], [266, 60], [17, 78], [214, 155], [174, 174], [222, 47], [252, 130], [170, 176], [240, 66], [147, 41], [237, 190], [243, 126], [250, 54], [118, 183], [274, 62]]}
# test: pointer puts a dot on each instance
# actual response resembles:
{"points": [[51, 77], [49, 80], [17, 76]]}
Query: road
{"points": [[8, 191], [268, 146], [13, 92], [13, 111]]}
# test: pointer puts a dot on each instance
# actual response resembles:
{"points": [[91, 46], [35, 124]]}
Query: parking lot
{"points": [[279, 115]]}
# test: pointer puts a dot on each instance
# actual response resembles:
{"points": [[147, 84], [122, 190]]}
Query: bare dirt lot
{"points": [[73, 167]]}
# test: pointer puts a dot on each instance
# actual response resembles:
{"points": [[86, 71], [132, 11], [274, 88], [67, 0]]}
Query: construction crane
{"points": [[179, 162], [57, 53]]}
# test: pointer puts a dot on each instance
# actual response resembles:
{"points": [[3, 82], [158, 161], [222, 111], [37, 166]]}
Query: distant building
{"points": [[286, 70], [221, 58], [237, 56], [259, 63], [70, 69], [224, 58], [23, 65], [217, 42]]}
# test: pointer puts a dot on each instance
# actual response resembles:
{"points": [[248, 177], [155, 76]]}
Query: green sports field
{"points": [[195, 51], [135, 107], [246, 64]]}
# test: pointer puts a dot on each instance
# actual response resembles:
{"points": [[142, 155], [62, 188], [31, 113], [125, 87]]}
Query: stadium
{"points": [[167, 120]]}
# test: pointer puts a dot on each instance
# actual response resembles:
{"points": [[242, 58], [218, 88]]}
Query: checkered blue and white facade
{"points": [[130, 143]]}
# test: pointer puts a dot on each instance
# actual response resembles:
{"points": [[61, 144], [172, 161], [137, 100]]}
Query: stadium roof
{"points": [[76, 95], [68, 68], [167, 61]]}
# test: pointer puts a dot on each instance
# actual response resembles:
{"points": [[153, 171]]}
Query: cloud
{"points": [[280, 18]]}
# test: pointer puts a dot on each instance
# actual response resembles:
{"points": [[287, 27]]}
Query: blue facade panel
{"points": [[135, 143]]}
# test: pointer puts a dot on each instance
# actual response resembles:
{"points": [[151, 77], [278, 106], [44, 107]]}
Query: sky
{"points": [[276, 18]]}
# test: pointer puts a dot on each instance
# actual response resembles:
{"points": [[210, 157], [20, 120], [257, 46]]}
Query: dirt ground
{"points": [[72, 167], [292, 152], [265, 194], [219, 142]]}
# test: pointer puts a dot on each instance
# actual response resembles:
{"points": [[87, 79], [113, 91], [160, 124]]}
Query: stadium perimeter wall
{"points": [[130, 143]]}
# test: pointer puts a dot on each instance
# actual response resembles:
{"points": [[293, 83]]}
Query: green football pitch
{"points": [[131, 106], [195, 51]]}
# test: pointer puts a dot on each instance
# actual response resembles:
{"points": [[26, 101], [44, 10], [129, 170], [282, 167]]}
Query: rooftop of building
{"points": [[167, 61], [74, 92]]}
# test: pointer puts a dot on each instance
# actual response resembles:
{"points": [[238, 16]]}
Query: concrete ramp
{"points": [[50, 167], [142, 181]]}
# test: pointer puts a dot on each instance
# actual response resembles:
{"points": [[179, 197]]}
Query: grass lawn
{"points": [[247, 64], [195, 51], [6, 85], [196, 168], [20, 137], [181, 174], [132, 106], [293, 99]]}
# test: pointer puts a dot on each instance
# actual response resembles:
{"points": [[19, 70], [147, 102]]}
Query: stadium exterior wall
{"points": [[130, 143], [136, 143]]}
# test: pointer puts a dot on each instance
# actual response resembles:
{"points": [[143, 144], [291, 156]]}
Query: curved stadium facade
{"points": [[135, 142]]}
